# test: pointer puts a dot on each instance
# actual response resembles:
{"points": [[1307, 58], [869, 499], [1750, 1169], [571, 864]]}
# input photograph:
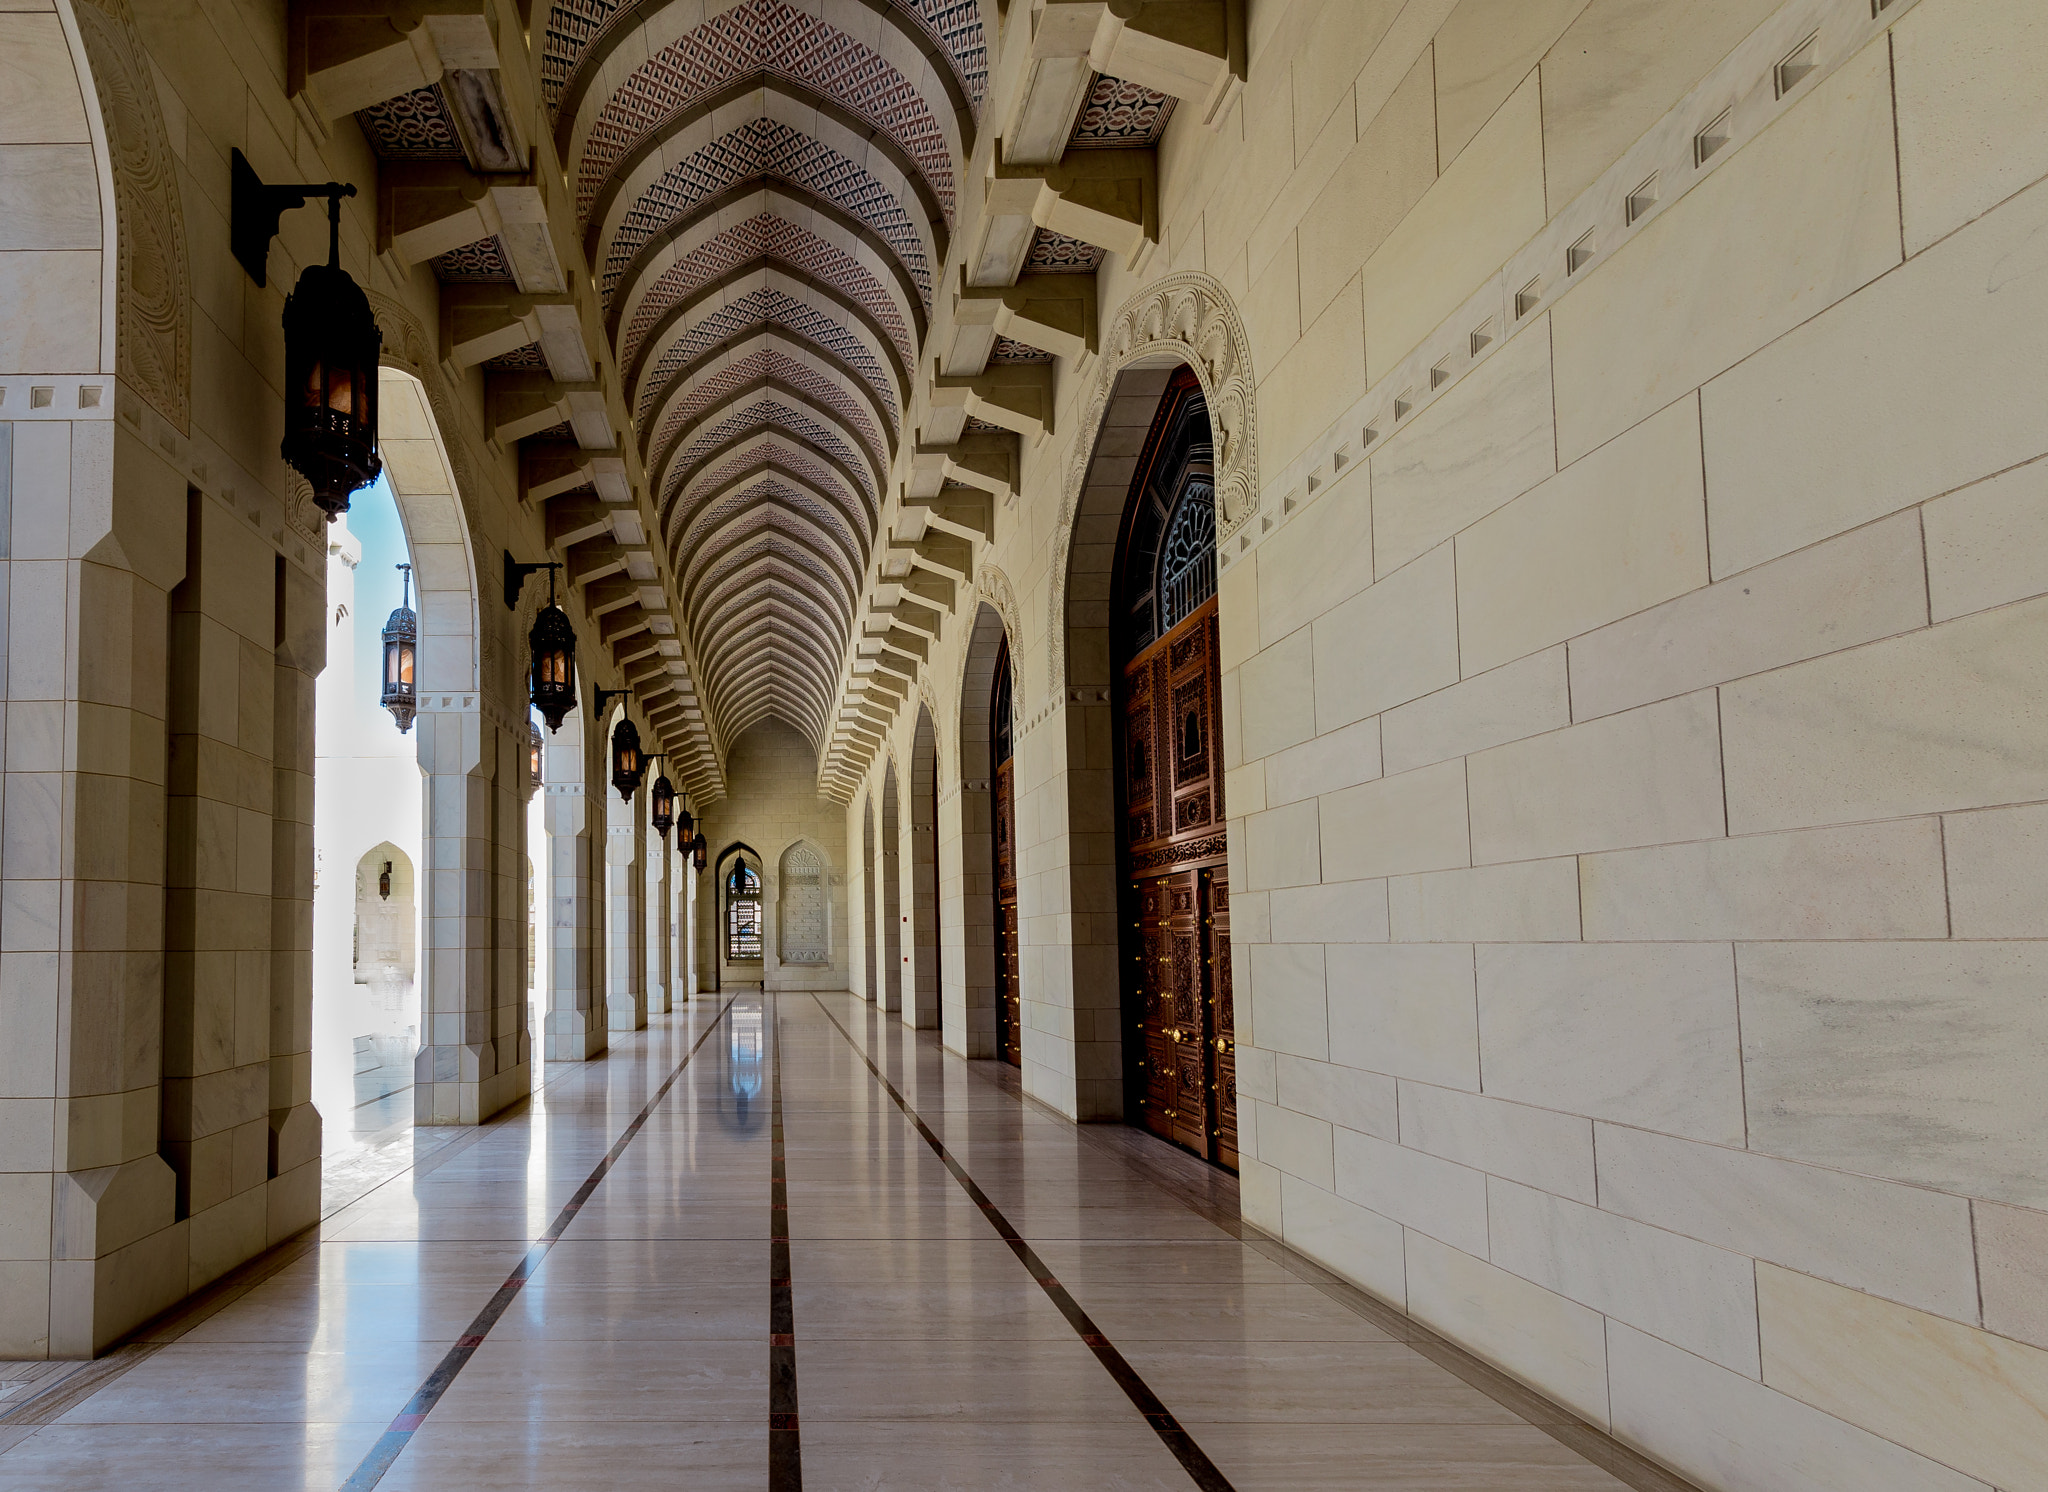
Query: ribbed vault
{"points": [[766, 191]]}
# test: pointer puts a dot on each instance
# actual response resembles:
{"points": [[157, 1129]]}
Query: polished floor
{"points": [[779, 1243]]}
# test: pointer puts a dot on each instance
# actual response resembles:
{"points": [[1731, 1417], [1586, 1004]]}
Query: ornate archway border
{"points": [[1188, 318]]}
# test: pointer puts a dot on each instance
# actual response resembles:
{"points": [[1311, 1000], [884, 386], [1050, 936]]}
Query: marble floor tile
{"points": [[637, 1351]]}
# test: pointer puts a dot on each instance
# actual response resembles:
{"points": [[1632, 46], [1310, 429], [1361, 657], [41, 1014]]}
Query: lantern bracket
{"points": [[599, 696], [515, 579], [256, 207]]}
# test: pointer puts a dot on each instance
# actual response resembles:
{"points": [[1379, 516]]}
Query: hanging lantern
{"points": [[697, 848], [628, 766], [664, 810], [552, 674], [685, 825], [331, 347], [533, 755], [401, 650], [384, 881]]}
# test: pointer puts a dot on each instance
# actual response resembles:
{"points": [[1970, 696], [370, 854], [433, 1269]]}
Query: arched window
{"points": [[804, 937], [743, 912], [1169, 566]]}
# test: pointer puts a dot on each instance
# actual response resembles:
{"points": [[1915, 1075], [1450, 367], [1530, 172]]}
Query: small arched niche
{"points": [[386, 961], [803, 907]]}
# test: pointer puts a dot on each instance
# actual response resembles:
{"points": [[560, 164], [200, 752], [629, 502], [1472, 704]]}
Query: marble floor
{"points": [[780, 1243]]}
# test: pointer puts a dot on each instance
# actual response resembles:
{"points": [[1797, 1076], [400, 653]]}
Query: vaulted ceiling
{"points": [[700, 308], [765, 196]]}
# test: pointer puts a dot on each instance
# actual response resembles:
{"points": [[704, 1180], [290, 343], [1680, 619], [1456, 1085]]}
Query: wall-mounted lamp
{"points": [[551, 673], [401, 648], [331, 341]]}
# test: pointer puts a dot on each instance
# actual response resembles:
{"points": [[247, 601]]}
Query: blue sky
{"points": [[373, 519]]}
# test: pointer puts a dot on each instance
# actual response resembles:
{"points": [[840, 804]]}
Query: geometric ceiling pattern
{"points": [[765, 199]]}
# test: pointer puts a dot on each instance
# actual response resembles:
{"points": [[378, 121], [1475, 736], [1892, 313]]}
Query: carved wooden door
{"points": [[1009, 1002], [1182, 1019], [1009, 1013]]}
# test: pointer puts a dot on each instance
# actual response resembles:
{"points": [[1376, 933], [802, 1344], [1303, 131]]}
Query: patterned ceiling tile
{"points": [[763, 36], [1120, 113], [772, 307], [480, 262], [1007, 350], [799, 463], [956, 26], [764, 148], [767, 410], [415, 126], [519, 360], [769, 363], [982, 427], [572, 25], [765, 234], [1056, 254], [770, 519], [774, 543]]}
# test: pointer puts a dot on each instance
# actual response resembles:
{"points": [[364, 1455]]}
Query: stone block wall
{"points": [[1634, 702]]}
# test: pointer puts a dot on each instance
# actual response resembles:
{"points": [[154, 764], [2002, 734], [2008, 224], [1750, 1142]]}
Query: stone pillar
{"points": [[688, 872], [656, 847], [575, 1022], [473, 1057], [888, 873], [626, 920], [219, 964], [294, 1160]]}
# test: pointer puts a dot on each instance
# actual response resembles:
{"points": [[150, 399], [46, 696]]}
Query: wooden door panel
{"points": [[1009, 1004], [1179, 1010]]}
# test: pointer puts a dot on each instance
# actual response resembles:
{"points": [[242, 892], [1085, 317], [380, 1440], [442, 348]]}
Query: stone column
{"points": [[626, 922], [575, 1022], [656, 848], [473, 1043], [301, 617]]}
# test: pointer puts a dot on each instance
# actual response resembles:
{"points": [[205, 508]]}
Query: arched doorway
{"points": [[921, 991], [741, 923], [1009, 997], [1179, 1021], [385, 1034], [889, 899], [869, 990]]}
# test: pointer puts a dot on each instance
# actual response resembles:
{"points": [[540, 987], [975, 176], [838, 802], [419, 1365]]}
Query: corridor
{"points": [[598, 1291]]}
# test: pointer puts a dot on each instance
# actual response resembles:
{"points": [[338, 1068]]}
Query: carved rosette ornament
{"points": [[1182, 318]]}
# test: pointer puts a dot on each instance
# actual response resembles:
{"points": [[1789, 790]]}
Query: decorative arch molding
{"points": [[153, 296], [1185, 318], [994, 587]]}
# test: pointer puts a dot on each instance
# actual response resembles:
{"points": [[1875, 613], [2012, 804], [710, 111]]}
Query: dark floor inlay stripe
{"points": [[785, 1442], [409, 1419], [1193, 1459]]}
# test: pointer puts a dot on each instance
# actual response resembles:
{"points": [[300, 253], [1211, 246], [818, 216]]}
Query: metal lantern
{"points": [[384, 882], [331, 348], [697, 848], [685, 826], [628, 766], [553, 670], [401, 649], [664, 812], [533, 754]]}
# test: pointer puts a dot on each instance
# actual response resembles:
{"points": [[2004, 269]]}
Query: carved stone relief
{"points": [[153, 304], [1184, 318]]}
